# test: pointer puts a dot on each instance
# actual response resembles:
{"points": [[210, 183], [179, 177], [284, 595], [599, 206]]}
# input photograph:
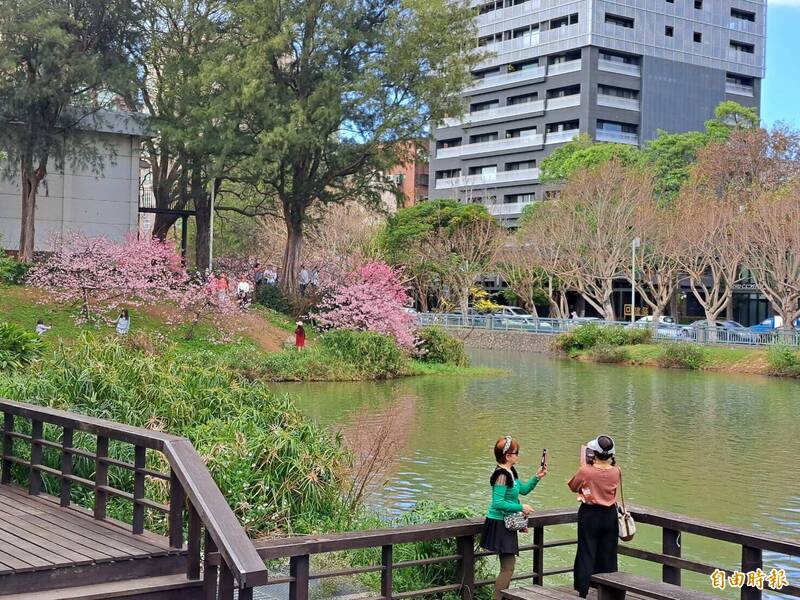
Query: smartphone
{"points": [[544, 458], [586, 455]]}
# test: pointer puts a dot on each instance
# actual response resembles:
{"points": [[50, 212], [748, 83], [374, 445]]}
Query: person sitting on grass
{"points": [[123, 322], [41, 327]]}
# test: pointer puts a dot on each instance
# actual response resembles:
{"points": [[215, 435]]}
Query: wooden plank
{"points": [[119, 589], [30, 553], [46, 548], [66, 467], [35, 477], [8, 448], [138, 488], [11, 556], [646, 587], [97, 531], [100, 479], [53, 538], [536, 592]]}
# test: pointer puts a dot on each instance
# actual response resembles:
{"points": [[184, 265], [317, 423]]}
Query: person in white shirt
{"points": [[123, 322], [41, 327], [270, 275], [303, 279]]}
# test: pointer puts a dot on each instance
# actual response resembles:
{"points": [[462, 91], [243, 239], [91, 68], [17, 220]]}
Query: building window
{"points": [[519, 198], [486, 137], [521, 165], [451, 143], [610, 90], [521, 133], [669, 31], [698, 37], [483, 170], [448, 174], [563, 126], [671, 1], [616, 126], [618, 58], [743, 47], [523, 99], [698, 4], [743, 15], [570, 90], [480, 106], [739, 80], [626, 22], [566, 57], [564, 21]]}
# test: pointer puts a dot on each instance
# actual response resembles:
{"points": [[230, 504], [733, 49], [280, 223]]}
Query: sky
{"points": [[780, 92]]}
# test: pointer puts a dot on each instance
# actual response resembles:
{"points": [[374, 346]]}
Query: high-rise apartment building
{"points": [[616, 70]]}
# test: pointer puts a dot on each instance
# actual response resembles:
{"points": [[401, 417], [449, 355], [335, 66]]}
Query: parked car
{"points": [[661, 319], [515, 317], [771, 324], [730, 331], [666, 328]]}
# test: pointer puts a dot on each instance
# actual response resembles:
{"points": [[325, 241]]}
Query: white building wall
{"points": [[76, 199]]}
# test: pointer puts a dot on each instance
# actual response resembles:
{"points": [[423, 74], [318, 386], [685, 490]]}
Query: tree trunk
{"points": [[162, 224], [30, 187], [202, 205], [608, 310], [293, 214]]}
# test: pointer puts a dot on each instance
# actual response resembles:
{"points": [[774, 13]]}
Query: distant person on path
{"points": [[303, 279], [506, 488], [299, 336], [270, 275], [258, 274], [243, 294], [41, 328], [222, 287], [315, 279], [123, 322], [596, 482]]}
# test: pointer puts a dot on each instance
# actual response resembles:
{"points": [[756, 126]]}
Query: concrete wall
{"points": [[77, 199], [505, 340]]}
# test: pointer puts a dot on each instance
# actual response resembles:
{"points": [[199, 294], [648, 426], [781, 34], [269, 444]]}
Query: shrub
{"points": [[272, 297], [589, 335], [783, 360], [18, 347], [370, 352], [437, 346], [682, 355], [425, 576], [271, 462], [604, 353], [11, 270]]}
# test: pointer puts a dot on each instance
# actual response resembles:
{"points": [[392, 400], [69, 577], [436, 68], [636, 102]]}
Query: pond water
{"points": [[714, 446]]}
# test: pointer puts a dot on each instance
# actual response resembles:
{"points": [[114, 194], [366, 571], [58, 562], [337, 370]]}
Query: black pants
{"points": [[597, 544]]}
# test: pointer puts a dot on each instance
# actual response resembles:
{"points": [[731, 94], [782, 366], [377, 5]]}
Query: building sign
{"points": [[747, 287], [639, 311]]}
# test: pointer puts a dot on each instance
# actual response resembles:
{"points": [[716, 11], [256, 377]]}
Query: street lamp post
{"points": [[635, 243]]}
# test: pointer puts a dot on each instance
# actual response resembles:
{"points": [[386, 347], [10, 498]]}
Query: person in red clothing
{"points": [[299, 336], [596, 485]]}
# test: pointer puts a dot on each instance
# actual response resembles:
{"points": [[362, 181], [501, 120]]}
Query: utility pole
{"points": [[634, 245], [211, 226]]}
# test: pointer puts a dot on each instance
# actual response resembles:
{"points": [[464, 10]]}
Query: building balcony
{"points": [[617, 137], [613, 66], [512, 12], [559, 137], [505, 145], [738, 88], [742, 58], [488, 179], [501, 112], [564, 67], [742, 25], [525, 41], [618, 102], [507, 210], [563, 102], [493, 81]]}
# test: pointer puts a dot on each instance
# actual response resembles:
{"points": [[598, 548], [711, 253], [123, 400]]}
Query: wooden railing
{"points": [[465, 532], [194, 498]]}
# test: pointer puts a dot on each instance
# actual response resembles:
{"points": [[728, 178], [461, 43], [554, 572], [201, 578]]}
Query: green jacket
{"points": [[505, 498]]}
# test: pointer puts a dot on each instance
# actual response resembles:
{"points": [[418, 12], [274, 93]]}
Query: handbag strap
{"points": [[621, 493]]}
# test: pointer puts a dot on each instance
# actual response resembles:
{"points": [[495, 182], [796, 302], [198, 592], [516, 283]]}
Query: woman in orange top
{"points": [[596, 484]]}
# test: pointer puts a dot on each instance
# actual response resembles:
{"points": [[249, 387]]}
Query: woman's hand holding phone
{"points": [[541, 472]]}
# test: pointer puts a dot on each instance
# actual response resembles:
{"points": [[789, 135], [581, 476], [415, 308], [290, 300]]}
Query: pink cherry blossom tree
{"points": [[100, 275], [370, 299]]}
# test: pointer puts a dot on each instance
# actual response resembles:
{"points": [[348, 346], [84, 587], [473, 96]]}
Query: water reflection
{"points": [[714, 446]]}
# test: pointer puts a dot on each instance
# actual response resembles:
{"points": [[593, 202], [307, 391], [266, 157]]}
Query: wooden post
{"points": [[176, 501], [298, 568], [66, 466], [246, 594], [465, 546], [195, 525], [671, 545], [35, 478], [100, 478], [751, 560], [210, 572], [225, 582], [138, 488], [538, 555], [386, 574], [8, 447]]}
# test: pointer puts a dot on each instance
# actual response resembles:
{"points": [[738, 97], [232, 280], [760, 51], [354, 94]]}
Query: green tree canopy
{"points": [[583, 153]]}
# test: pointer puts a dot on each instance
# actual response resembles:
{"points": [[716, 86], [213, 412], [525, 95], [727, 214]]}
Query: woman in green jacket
{"points": [[506, 489]]}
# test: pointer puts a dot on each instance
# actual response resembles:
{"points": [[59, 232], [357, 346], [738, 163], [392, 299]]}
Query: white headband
{"points": [[507, 445]]}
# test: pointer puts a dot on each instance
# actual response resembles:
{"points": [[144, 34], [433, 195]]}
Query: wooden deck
{"points": [[43, 545]]}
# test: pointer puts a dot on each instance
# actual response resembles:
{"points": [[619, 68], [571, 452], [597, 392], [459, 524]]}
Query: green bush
{"points": [[371, 352], [682, 355], [425, 576], [604, 353], [272, 297], [277, 468], [589, 335], [437, 346], [11, 270], [18, 347], [784, 361]]}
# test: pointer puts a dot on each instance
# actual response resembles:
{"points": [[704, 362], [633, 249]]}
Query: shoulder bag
{"points": [[516, 521], [627, 526]]}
